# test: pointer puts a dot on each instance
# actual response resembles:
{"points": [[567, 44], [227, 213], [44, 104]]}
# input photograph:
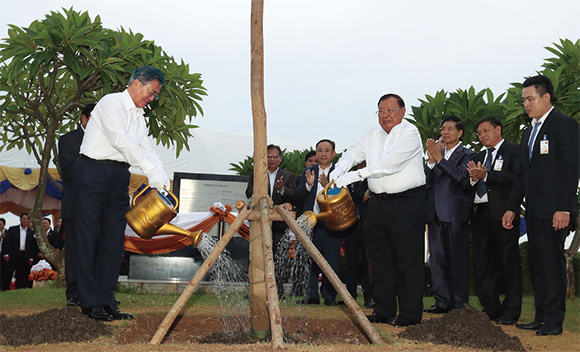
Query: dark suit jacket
{"points": [[289, 182], [550, 181], [68, 151], [447, 197], [499, 183], [305, 198], [11, 245], [55, 239]]}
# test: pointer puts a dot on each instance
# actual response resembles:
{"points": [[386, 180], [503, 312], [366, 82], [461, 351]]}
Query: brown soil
{"points": [[51, 326], [326, 330], [467, 327]]}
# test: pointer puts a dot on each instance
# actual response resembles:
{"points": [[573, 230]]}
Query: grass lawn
{"points": [[39, 299]]}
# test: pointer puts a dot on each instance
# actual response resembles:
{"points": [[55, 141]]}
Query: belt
{"points": [[404, 193], [113, 163], [480, 206]]}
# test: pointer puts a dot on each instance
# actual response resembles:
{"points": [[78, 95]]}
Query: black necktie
{"points": [[481, 188]]}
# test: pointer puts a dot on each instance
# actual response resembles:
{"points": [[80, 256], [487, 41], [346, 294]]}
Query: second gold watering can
{"points": [[336, 210], [151, 213]]}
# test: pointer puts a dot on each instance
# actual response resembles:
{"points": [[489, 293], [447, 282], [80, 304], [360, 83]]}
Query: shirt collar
{"points": [[498, 145], [450, 151], [273, 173], [128, 101], [543, 118]]}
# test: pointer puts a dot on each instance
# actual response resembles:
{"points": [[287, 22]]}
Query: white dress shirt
{"points": [[394, 160], [534, 121], [117, 131], [23, 231], [319, 187]]}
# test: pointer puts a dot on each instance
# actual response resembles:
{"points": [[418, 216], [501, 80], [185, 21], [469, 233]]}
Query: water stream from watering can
{"points": [[230, 286], [292, 264]]}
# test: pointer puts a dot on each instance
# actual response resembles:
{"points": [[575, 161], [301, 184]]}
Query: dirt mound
{"points": [[51, 326], [208, 330], [466, 327]]}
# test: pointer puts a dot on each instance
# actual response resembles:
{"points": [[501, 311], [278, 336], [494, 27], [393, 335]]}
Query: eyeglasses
{"points": [[386, 112], [273, 156], [151, 93]]}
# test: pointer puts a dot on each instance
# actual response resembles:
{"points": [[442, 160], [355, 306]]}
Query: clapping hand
{"points": [[279, 184], [476, 171]]}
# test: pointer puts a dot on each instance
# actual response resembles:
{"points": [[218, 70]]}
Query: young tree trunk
{"points": [[258, 310]]}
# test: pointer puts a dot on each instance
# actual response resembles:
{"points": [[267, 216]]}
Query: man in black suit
{"points": [[54, 237], [448, 211], [548, 179], [312, 182], [497, 257], [68, 152], [19, 251], [281, 188]]}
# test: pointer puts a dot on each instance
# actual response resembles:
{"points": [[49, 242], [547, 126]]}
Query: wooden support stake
{"points": [[201, 272], [331, 275], [270, 278]]}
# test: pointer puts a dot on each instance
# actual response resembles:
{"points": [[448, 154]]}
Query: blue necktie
{"points": [[531, 142], [481, 187]]}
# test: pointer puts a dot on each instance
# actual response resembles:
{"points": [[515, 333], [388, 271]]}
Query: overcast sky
{"points": [[328, 62]]}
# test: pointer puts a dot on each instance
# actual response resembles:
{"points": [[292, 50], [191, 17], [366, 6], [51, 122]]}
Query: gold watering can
{"points": [[150, 216], [336, 210]]}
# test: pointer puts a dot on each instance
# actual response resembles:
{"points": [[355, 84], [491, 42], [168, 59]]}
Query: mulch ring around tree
{"points": [[466, 327], [51, 326]]}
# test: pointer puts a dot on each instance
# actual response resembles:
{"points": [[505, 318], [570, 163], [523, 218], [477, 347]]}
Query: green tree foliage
{"points": [[52, 68], [564, 72]]}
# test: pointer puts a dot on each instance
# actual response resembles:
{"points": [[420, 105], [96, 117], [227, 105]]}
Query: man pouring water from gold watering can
{"points": [[396, 210], [115, 139]]}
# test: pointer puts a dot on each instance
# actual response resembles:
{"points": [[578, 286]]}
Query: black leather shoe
{"points": [[72, 302], [341, 303], [330, 302], [97, 313], [545, 331], [400, 321], [309, 301], [436, 310], [117, 314], [535, 325], [506, 321], [374, 318]]}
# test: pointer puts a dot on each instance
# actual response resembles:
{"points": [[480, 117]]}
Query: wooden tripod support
{"points": [[270, 278]]}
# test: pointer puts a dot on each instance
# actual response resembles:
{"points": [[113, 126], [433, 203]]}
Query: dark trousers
{"points": [[101, 200], [497, 264], [329, 247], [395, 231], [548, 266], [70, 257], [6, 271], [20, 267], [449, 256], [355, 255]]}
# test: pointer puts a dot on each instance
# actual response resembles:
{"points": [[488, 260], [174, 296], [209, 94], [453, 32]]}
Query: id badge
{"points": [[498, 164], [544, 146]]}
